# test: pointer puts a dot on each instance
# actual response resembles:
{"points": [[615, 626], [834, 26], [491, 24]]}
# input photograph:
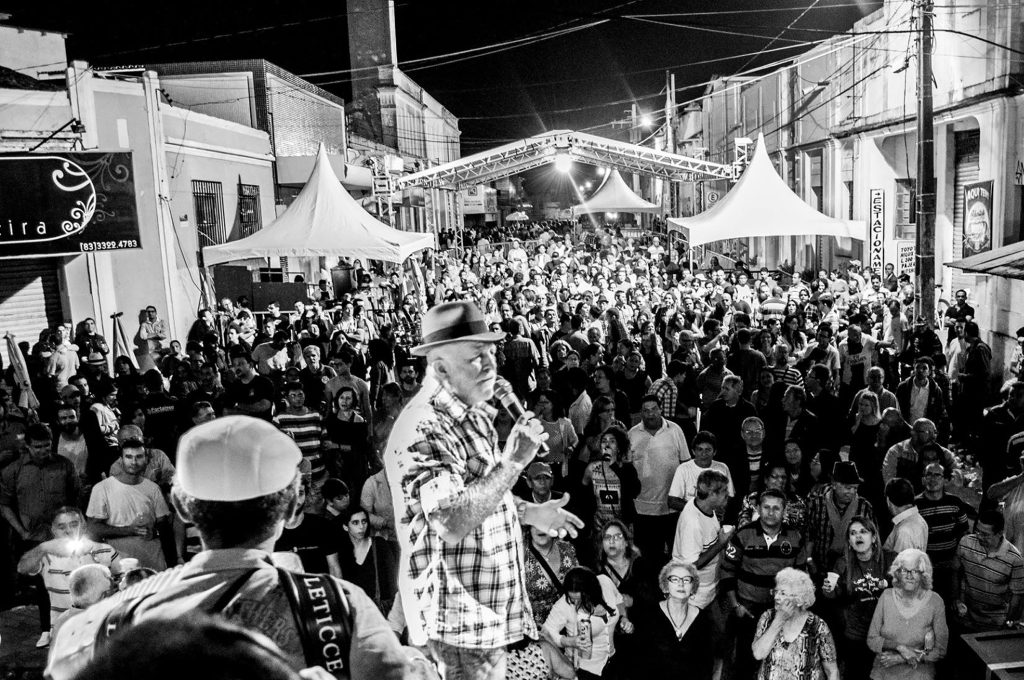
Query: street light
{"points": [[602, 171], [645, 121], [563, 163]]}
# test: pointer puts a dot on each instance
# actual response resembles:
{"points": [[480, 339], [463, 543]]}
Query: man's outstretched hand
{"points": [[552, 518]]}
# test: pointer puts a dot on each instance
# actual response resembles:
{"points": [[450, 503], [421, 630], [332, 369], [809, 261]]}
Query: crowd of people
{"points": [[803, 476]]}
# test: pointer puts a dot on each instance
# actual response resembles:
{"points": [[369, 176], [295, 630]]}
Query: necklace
{"points": [[672, 619]]}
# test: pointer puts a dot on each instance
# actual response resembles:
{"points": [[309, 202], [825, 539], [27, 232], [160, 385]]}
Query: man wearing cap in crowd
{"points": [[238, 482], [462, 572], [535, 485]]}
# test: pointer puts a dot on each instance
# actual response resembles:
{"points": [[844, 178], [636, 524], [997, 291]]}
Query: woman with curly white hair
{"points": [[908, 631], [790, 641]]}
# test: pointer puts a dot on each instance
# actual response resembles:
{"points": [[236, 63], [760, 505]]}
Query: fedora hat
{"points": [[845, 472], [459, 321]]}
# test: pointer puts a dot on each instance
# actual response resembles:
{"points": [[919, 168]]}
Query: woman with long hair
{"points": [[602, 416], [605, 385], [582, 621], [347, 440], [867, 421], [611, 479], [367, 560], [562, 440], [651, 351], [863, 571], [792, 336]]}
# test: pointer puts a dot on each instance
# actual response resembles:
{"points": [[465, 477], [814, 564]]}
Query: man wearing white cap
{"points": [[461, 575], [238, 482]]}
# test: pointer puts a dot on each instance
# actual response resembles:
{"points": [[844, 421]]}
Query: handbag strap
{"points": [[376, 573], [547, 567], [323, 618]]}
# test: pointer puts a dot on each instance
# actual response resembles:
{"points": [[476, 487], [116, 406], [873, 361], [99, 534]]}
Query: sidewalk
{"points": [[19, 658]]}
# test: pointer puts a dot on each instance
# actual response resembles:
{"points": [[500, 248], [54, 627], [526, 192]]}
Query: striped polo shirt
{"points": [[751, 561], [947, 524], [56, 570], [305, 430], [989, 579]]}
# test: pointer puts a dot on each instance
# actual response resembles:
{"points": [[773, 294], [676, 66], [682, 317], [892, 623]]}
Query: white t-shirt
{"points": [[656, 458], [857, 364], [684, 481], [695, 533], [123, 505], [564, 615]]}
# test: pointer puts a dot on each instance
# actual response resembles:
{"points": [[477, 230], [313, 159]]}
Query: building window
{"points": [[816, 184], [250, 219], [208, 201], [905, 206]]}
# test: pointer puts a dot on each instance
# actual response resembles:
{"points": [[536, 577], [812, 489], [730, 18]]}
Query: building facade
{"points": [[840, 123]]}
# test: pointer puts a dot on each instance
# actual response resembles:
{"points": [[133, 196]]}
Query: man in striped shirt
{"points": [[57, 558], [303, 425], [989, 577], [946, 516]]}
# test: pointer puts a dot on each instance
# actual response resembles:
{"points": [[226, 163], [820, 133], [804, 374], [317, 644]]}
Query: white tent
{"points": [[323, 221], [762, 205], [615, 196]]}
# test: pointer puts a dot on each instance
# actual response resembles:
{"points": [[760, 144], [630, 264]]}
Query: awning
{"points": [[1007, 261]]}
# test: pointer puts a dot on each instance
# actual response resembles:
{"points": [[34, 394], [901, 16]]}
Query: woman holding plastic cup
{"points": [[861, 576], [790, 641], [908, 630]]}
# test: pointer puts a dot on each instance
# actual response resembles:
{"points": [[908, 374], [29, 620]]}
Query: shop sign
{"points": [[977, 218], [67, 203], [906, 252], [876, 234]]}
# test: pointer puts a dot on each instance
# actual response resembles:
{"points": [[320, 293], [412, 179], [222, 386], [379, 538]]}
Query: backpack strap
{"points": [[123, 615], [323, 617]]}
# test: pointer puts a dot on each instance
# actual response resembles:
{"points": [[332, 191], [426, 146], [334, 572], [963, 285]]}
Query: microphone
{"points": [[503, 391]]}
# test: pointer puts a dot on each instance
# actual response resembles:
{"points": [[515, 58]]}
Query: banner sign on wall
{"points": [[977, 218], [905, 254], [876, 229], [67, 203]]}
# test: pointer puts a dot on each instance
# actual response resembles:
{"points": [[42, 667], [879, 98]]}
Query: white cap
{"points": [[236, 458]]}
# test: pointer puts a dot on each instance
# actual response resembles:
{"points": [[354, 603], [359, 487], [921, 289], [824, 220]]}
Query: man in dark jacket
{"points": [[919, 396]]}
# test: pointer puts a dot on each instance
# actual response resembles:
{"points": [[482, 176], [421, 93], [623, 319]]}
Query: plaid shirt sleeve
{"points": [[667, 395]]}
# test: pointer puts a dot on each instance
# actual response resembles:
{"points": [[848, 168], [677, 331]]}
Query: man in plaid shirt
{"points": [[461, 574]]}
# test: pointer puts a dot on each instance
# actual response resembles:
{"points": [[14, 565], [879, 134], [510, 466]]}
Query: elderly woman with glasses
{"points": [[790, 641], [676, 633], [908, 631]]}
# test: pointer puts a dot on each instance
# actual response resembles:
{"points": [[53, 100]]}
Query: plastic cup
{"points": [[128, 563], [832, 578], [728, 528]]}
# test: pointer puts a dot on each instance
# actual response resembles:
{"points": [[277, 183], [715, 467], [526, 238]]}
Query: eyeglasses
{"points": [[903, 571], [615, 538], [677, 580]]}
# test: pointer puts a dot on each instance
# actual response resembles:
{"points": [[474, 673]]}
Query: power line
{"points": [[779, 36]]}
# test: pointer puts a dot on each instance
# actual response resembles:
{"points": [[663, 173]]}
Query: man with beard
{"points": [[208, 390], [72, 445], [129, 511], [92, 351], [409, 380], [829, 514], [32, 488], [251, 394]]}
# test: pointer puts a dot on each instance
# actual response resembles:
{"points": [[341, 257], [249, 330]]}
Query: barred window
{"points": [[249, 217], [906, 208], [208, 201]]}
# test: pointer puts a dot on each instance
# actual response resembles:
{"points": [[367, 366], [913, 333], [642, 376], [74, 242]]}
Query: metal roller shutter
{"points": [[29, 299], [968, 150]]}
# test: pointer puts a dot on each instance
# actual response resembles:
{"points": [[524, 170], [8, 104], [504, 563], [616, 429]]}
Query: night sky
{"points": [[595, 71]]}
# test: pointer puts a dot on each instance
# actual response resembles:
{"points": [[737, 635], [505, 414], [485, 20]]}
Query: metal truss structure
{"points": [[511, 159]]}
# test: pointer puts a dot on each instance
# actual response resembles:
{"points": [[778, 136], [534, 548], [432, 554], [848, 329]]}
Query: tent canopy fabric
{"points": [[614, 196], [1007, 261], [761, 204], [323, 221]]}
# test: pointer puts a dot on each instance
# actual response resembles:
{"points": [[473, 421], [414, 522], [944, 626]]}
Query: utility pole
{"points": [[924, 280]]}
